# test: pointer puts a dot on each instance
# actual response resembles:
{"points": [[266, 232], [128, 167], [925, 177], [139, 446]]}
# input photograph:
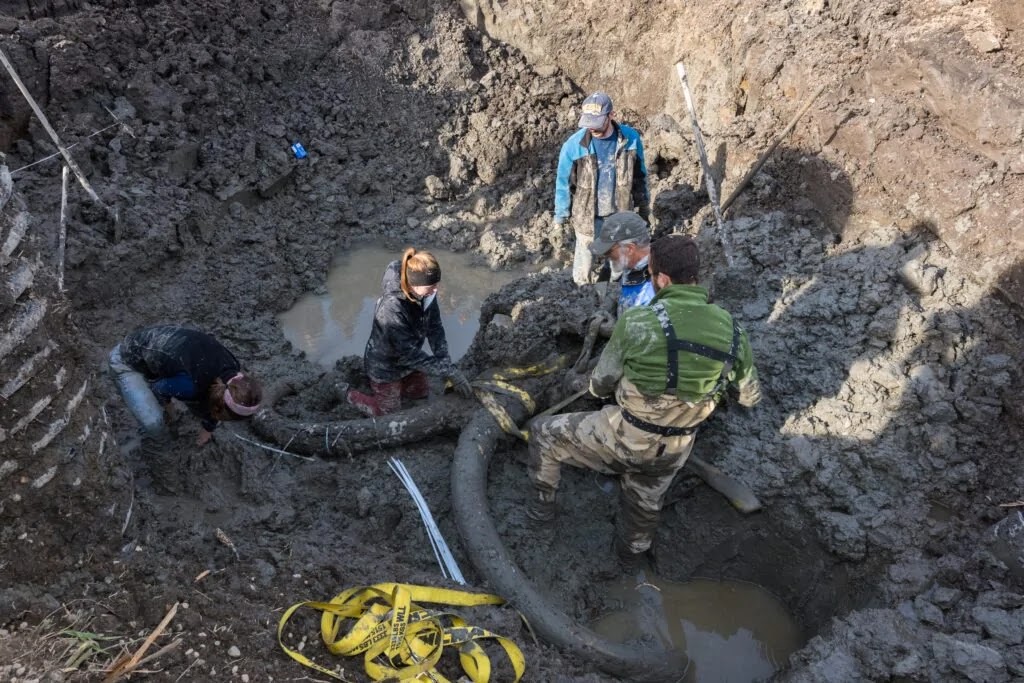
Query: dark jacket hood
{"points": [[391, 283]]}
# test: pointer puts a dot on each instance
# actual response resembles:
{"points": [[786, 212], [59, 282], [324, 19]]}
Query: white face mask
{"points": [[621, 261], [428, 299]]}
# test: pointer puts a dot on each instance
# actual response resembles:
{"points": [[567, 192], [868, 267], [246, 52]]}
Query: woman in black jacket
{"points": [[155, 364], [406, 315]]}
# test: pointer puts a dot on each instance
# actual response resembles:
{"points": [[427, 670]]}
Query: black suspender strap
{"points": [[652, 428], [734, 350], [675, 345]]}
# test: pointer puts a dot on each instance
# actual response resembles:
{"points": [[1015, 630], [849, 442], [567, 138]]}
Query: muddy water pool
{"points": [[733, 631], [337, 323]]}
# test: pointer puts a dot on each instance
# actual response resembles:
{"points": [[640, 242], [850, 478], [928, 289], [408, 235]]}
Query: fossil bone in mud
{"points": [[345, 437]]}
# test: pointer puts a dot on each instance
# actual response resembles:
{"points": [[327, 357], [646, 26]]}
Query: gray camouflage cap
{"points": [[619, 227]]}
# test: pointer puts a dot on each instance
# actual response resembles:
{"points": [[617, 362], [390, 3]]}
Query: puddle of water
{"points": [[733, 632], [337, 324]]}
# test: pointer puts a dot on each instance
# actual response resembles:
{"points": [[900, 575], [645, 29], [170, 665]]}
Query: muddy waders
{"points": [[141, 400], [540, 508]]}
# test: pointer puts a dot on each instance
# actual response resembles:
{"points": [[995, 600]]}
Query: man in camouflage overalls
{"points": [[668, 365]]}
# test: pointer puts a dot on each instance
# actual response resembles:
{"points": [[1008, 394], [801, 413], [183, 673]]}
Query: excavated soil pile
{"points": [[876, 267]]}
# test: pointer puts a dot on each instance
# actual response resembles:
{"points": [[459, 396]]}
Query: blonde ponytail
{"points": [[423, 268]]}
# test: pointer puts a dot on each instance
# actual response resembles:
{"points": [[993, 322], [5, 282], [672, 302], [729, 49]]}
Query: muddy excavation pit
{"points": [[875, 265]]}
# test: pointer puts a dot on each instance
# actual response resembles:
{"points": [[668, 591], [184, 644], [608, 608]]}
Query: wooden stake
{"points": [[124, 666], [63, 238], [709, 178], [68, 159]]}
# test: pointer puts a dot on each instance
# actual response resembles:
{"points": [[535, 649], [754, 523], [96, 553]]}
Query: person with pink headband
{"points": [[154, 364]]}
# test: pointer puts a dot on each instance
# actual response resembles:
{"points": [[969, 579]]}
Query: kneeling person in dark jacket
{"points": [[406, 315], [155, 364]]}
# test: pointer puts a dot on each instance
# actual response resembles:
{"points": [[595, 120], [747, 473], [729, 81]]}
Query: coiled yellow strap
{"points": [[399, 639]]}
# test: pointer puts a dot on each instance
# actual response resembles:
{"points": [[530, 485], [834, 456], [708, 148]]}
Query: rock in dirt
{"points": [[1008, 543], [977, 662], [1001, 624], [364, 499]]}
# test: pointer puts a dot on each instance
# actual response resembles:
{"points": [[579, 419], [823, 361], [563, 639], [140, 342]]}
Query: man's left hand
{"points": [[203, 438], [605, 317]]}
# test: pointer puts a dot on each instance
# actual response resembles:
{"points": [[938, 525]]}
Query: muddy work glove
{"points": [[460, 384], [575, 382], [559, 235]]}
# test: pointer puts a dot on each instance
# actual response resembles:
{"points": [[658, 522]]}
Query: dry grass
{"points": [[63, 642]]}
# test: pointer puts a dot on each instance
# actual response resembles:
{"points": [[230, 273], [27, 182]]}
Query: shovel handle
{"points": [[563, 403], [736, 492]]}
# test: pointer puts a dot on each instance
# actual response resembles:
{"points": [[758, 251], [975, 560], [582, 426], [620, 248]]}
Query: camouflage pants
{"points": [[602, 441]]}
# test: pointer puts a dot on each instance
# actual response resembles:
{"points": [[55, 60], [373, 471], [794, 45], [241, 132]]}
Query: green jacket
{"points": [[638, 350]]}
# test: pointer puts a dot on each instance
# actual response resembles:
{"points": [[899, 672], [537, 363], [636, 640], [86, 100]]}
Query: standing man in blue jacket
{"points": [[601, 171]]}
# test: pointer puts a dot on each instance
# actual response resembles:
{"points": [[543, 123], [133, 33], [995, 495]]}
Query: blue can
{"points": [[298, 150]]}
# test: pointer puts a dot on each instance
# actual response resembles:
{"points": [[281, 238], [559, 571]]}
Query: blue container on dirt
{"points": [[298, 150]]}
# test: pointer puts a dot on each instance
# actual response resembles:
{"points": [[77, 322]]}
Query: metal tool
{"points": [[735, 491]]}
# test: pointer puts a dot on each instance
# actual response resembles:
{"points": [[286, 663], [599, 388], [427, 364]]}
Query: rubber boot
{"points": [[364, 403], [630, 561], [164, 468], [540, 509], [622, 551]]}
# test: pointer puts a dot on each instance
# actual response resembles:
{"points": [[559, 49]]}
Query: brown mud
{"points": [[877, 270]]}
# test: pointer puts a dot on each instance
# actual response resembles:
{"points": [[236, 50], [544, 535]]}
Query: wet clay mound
{"points": [[864, 254]]}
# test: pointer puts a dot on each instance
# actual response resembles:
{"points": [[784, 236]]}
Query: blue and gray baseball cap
{"points": [[596, 109]]}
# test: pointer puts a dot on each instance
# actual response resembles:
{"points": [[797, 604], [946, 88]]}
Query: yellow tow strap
{"points": [[536, 370], [484, 394], [497, 381], [400, 640]]}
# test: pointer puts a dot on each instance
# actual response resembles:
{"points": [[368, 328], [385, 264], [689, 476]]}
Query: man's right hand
{"points": [[203, 438], [560, 235], [603, 316], [563, 228]]}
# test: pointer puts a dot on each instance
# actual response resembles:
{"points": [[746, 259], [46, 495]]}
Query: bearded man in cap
{"points": [[668, 364], [601, 171], [625, 241]]}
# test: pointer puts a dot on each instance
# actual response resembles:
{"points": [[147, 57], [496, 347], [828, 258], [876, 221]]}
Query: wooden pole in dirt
{"points": [[53, 136], [63, 238], [709, 178], [768, 152]]}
